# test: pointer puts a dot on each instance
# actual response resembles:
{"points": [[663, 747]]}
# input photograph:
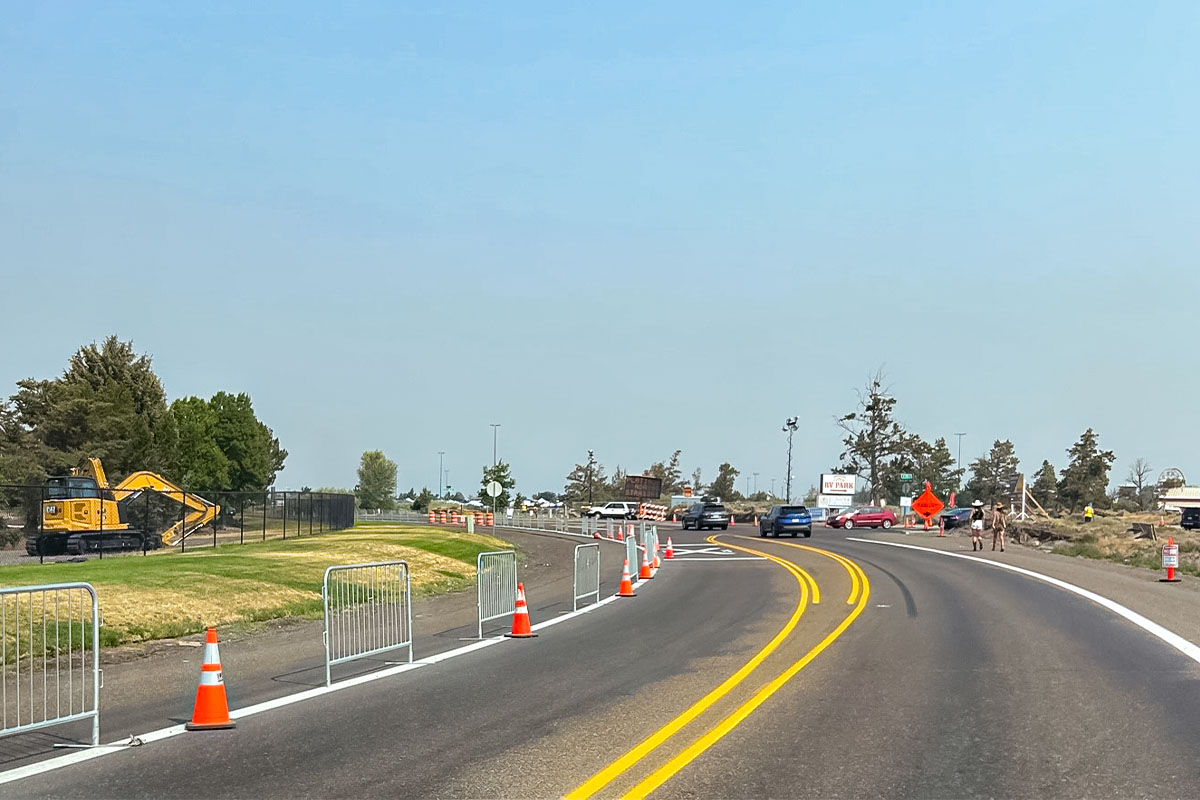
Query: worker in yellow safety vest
{"points": [[1088, 513]]}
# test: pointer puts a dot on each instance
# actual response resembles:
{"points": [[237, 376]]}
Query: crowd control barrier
{"points": [[496, 576], [587, 573], [368, 610], [49, 657]]}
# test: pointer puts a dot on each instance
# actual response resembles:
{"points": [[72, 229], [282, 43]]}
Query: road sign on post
{"points": [[927, 504], [494, 489]]}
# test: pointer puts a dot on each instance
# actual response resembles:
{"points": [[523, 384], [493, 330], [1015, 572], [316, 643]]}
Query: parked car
{"points": [[956, 517], [866, 517], [615, 510], [785, 519], [706, 515]]}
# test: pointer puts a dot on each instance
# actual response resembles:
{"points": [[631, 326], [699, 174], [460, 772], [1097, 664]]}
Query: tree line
{"points": [[878, 449], [109, 404]]}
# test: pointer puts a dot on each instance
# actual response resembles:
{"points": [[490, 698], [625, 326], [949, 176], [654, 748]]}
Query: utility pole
{"points": [[960, 435], [756, 483], [440, 484], [495, 427]]}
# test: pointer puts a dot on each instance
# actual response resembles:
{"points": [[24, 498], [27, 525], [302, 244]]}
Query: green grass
{"points": [[168, 595]]}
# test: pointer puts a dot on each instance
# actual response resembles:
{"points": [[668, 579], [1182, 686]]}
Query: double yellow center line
{"points": [[860, 590]]}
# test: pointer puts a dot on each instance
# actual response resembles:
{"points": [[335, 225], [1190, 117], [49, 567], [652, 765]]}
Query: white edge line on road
{"points": [[1181, 644], [79, 756], [718, 558]]}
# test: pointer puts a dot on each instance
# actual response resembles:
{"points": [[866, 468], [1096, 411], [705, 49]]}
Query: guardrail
{"points": [[49, 657], [587, 573], [496, 577], [368, 610]]}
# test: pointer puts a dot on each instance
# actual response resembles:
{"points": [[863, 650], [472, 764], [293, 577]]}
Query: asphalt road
{"points": [[945, 678]]}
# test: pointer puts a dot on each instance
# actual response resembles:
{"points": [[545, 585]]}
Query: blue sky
{"points": [[393, 225]]}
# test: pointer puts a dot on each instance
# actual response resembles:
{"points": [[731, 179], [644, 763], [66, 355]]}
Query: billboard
{"points": [[837, 484], [642, 487], [834, 500]]}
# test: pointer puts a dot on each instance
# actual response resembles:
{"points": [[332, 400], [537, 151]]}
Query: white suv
{"points": [[613, 511]]}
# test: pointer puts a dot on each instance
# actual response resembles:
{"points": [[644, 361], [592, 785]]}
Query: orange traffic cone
{"points": [[674, 518], [626, 589], [211, 711], [620, 535], [644, 573], [670, 551], [756, 520], [521, 629], [732, 520], [596, 535]]}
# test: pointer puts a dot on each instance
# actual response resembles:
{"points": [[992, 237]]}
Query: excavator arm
{"points": [[200, 514]]}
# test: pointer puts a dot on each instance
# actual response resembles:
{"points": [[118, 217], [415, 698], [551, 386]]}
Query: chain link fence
{"points": [[53, 522]]}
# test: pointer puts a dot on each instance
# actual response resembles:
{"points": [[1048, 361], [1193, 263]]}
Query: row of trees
{"points": [[109, 404], [376, 488], [879, 450], [589, 482]]}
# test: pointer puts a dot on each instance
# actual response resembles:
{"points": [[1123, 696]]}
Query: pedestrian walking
{"points": [[999, 526], [977, 525]]}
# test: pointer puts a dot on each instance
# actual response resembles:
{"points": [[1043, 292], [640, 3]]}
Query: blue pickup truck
{"points": [[785, 519]]}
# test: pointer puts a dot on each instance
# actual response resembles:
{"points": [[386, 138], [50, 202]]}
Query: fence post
{"points": [[182, 519], [264, 512], [310, 513], [241, 519], [145, 521], [285, 516]]}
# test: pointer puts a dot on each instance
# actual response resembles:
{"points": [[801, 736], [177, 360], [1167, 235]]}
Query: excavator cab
{"points": [[78, 503]]}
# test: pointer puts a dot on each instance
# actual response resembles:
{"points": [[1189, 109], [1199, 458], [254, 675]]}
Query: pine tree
{"points": [[1085, 479], [993, 474], [1045, 486]]}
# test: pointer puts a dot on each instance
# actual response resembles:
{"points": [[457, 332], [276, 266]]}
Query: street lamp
{"points": [[756, 483], [960, 435], [591, 463], [439, 483], [495, 429], [789, 427]]}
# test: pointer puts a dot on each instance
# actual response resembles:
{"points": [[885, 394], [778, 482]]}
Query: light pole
{"points": [[789, 427], [756, 483], [772, 488], [439, 483], [495, 429], [591, 462], [960, 435]]}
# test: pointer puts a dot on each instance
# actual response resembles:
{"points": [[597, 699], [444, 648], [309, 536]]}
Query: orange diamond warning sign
{"points": [[928, 503]]}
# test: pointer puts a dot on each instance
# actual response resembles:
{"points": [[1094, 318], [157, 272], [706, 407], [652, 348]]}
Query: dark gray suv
{"points": [[706, 515]]}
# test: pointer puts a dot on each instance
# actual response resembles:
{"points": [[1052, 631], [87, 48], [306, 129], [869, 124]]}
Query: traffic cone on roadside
{"points": [[941, 526], [670, 551], [675, 518], [756, 520], [596, 535], [521, 629], [626, 588], [620, 535], [211, 710], [644, 573]]}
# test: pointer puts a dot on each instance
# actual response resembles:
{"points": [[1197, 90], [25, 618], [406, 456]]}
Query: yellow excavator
{"points": [[81, 513]]}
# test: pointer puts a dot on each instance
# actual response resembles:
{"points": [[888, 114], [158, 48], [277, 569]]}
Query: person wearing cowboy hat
{"points": [[999, 525], [977, 525]]}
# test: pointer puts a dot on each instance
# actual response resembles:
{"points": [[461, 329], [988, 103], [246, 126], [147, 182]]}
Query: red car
{"points": [[868, 517]]}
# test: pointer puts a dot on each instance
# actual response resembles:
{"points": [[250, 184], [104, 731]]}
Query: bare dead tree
{"points": [[1139, 474]]}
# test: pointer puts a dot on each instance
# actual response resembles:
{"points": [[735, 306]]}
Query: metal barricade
{"points": [[49, 657], [496, 575], [587, 573], [631, 553], [651, 539], [368, 610]]}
